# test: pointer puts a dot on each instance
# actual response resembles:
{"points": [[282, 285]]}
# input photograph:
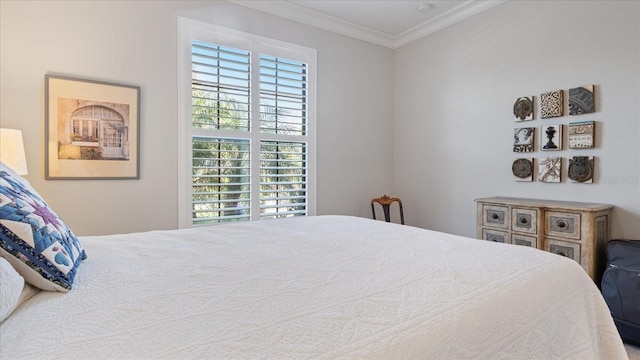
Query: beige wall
{"points": [[135, 42], [453, 100]]}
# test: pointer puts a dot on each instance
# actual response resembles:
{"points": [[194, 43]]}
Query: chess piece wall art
{"points": [[551, 138]]}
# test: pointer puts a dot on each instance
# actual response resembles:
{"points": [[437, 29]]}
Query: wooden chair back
{"points": [[386, 202]]}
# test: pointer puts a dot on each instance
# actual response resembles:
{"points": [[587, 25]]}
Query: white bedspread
{"points": [[315, 287]]}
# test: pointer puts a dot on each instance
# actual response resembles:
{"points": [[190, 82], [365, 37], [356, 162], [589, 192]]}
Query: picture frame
{"points": [[92, 129]]}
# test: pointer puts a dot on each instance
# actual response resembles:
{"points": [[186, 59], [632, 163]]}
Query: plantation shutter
{"points": [[282, 179], [283, 165], [283, 96], [221, 85], [221, 167], [245, 168], [221, 186]]}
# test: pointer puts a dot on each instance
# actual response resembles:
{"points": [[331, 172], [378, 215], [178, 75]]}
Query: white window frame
{"points": [[189, 30]]}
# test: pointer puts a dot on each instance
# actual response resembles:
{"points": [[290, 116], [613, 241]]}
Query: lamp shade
{"points": [[12, 150]]}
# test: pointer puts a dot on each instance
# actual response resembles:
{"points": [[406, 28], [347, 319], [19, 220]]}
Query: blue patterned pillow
{"points": [[33, 238]]}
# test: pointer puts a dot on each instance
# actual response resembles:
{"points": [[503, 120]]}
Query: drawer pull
{"points": [[523, 220], [561, 224], [495, 216], [561, 253]]}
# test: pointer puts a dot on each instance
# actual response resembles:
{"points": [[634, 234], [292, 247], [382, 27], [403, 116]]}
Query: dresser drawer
{"points": [[495, 236], [524, 220], [524, 240], [495, 216], [568, 249], [562, 224]]}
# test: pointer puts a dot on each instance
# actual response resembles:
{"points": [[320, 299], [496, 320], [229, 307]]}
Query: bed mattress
{"points": [[318, 287]]}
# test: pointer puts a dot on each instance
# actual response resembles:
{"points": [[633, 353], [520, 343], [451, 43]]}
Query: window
{"points": [[100, 128], [246, 127], [85, 130]]}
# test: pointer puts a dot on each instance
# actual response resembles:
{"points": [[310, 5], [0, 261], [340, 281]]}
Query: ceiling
{"points": [[390, 23]]}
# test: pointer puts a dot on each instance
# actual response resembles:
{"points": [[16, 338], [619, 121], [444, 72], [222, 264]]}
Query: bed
{"points": [[321, 287]]}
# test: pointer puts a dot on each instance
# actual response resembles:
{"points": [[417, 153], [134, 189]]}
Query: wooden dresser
{"points": [[572, 229]]}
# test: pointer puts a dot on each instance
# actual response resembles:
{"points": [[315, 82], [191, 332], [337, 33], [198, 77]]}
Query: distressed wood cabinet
{"points": [[576, 230]]}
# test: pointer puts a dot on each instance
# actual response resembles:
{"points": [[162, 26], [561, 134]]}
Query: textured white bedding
{"points": [[315, 287]]}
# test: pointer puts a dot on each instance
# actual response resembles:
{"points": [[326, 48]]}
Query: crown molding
{"points": [[444, 20], [317, 19], [320, 20]]}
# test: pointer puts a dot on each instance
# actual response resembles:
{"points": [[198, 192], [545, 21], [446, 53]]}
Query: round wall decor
{"points": [[522, 168]]}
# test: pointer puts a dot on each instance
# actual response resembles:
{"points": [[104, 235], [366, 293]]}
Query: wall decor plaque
{"points": [[523, 139], [549, 169], [522, 169], [581, 169], [523, 108], [581, 134], [582, 100], [551, 104], [551, 137]]}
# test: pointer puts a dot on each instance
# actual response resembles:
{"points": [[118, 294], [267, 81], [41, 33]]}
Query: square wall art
{"points": [[581, 100], [551, 104], [581, 169], [551, 137], [581, 134], [523, 108], [523, 139], [522, 169], [549, 169]]}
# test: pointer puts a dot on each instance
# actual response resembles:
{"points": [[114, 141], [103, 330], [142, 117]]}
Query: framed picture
{"points": [[91, 129]]}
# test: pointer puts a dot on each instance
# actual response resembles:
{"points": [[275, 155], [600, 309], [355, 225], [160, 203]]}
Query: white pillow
{"points": [[11, 285]]}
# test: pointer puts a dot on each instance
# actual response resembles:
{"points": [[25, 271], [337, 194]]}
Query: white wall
{"points": [[136, 43], [453, 99], [450, 97]]}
